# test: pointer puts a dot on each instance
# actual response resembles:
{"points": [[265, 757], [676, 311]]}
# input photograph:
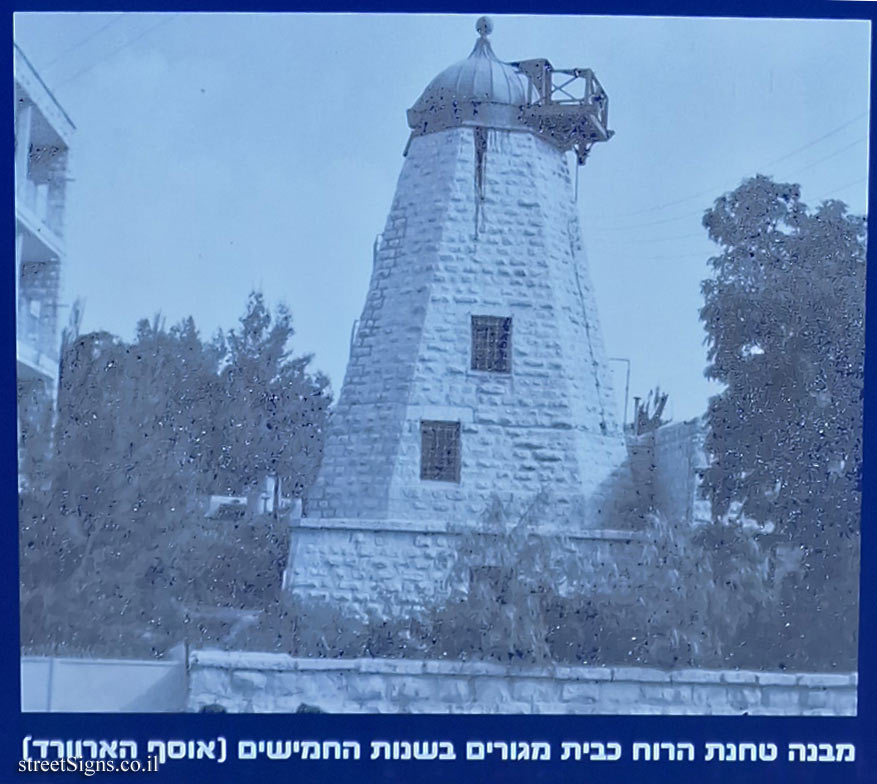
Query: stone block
{"points": [[391, 666], [491, 693], [453, 691], [743, 698], [580, 693], [534, 690], [695, 676], [815, 698], [282, 681], [614, 693], [319, 665], [817, 680], [739, 676], [843, 701], [550, 708], [404, 689], [366, 688], [248, 680], [584, 673], [711, 697], [783, 698], [665, 694], [644, 709], [644, 674], [776, 679], [215, 682]]}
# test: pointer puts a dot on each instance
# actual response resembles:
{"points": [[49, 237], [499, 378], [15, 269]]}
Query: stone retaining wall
{"points": [[278, 683], [391, 568]]}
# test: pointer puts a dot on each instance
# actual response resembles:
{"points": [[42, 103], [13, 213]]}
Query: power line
{"points": [[649, 223], [827, 157], [707, 254], [816, 141], [844, 187], [698, 195], [662, 257], [119, 49], [652, 239], [700, 212], [84, 41]]}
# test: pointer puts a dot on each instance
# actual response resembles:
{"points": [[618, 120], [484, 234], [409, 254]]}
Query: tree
{"points": [[104, 557], [270, 411], [784, 316], [647, 416], [116, 553]]}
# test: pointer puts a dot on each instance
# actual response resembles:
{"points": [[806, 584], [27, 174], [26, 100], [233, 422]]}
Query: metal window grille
{"points": [[440, 451], [492, 344]]}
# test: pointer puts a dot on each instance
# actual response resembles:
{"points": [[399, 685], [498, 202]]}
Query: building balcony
{"points": [[36, 200], [36, 361], [37, 226]]}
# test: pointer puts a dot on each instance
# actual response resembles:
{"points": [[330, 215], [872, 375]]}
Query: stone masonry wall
{"points": [[395, 568], [277, 683], [446, 255], [666, 465]]}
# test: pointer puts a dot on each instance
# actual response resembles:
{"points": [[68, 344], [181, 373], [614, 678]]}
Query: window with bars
{"points": [[492, 343], [440, 451]]}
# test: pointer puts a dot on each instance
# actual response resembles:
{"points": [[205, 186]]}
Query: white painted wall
{"points": [[55, 684]]}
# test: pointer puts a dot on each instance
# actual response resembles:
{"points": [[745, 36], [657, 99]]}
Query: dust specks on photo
{"points": [[437, 364]]}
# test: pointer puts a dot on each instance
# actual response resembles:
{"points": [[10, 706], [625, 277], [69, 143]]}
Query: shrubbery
{"points": [[116, 555], [710, 596]]}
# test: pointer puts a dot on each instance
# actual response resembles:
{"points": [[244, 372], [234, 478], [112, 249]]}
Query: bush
{"points": [[710, 596]]}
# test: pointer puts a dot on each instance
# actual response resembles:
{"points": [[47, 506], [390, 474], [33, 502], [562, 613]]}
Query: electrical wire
{"points": [[118, 49], [784, 157], [84, 41], [698, 213]]}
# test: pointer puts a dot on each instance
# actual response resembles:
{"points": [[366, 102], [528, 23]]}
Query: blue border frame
{"points": [[861, 730]]}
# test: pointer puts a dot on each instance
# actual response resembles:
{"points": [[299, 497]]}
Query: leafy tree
{"points": [[116, 555], [103, 557], [784, 315], [270, 410], [35, 420]]}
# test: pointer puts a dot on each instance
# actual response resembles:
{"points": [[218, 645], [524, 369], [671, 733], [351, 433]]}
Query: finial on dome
{"points": [[484, 26]]}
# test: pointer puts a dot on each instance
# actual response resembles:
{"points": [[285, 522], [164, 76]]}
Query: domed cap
{"points": [[480, 90]]}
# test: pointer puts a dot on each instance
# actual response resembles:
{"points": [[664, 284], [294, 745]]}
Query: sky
{"points": [[220, 153]]}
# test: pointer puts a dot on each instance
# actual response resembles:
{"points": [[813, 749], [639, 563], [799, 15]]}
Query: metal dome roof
{"points": [[482, 76], [480, 90], [566, 107]]}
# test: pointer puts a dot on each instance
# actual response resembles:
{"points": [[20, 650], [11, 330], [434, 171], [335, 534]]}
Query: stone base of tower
{"points": [[390, 569]]}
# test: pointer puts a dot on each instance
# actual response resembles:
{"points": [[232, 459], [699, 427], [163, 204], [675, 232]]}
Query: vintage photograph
{"points": [[440, 363]]}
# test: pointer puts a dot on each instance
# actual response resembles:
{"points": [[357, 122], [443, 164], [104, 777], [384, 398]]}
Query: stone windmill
{"points": [[477, 370]]}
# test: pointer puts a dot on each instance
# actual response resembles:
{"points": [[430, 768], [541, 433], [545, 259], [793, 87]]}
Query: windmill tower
{"points": [[477, 369]]}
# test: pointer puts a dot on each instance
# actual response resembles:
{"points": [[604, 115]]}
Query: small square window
{"points": [[492, 343], [440, 451]]}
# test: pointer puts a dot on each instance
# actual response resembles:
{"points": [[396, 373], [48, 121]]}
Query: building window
{"points": [[492, 344], [440, 451]]}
